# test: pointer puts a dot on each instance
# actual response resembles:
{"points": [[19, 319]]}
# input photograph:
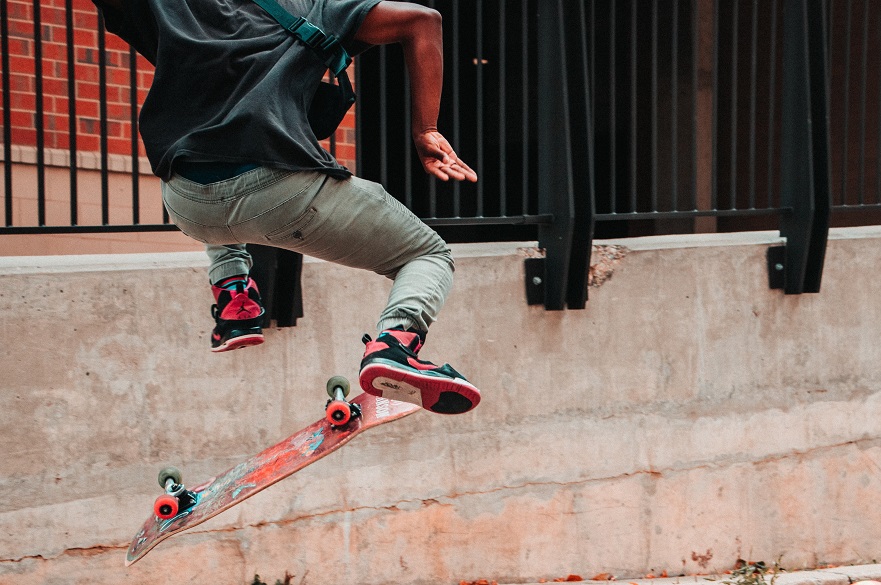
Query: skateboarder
{"points": [[226, 127]]}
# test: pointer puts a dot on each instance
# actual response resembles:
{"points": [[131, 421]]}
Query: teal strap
{"points": [[327, 46]]}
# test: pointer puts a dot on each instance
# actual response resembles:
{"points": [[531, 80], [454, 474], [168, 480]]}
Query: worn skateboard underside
{"points": [[266, 468]]}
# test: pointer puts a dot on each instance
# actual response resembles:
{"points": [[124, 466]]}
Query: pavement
{"points": [[844, 575]]}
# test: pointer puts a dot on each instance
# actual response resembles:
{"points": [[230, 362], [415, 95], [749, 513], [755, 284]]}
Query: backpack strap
{"points": [[328, 47]]}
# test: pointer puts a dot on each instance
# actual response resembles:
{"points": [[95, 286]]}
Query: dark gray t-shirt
{"points": [[231, 85]]}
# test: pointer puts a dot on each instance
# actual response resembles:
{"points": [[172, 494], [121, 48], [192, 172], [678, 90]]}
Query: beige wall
{"points": [[57, 207], [689, 417]]}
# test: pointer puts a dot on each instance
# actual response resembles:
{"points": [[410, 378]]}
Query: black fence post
{"points": [[277, 273], [575, 20], [797, 267], [565, 186]]}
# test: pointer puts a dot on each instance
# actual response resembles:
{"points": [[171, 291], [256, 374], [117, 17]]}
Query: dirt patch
{"points": [[604, 260]]}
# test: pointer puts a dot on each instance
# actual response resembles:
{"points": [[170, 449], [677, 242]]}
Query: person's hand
{"points": [[440, 160]]}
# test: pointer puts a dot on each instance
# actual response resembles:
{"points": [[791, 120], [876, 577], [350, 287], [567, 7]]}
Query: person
{"points": [[225, 126]]}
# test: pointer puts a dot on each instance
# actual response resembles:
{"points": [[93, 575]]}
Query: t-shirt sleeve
{"points": [[134, 23], [343, 18]]}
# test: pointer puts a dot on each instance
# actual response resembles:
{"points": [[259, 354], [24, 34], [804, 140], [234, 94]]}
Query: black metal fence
{"points": [[608, 118]]}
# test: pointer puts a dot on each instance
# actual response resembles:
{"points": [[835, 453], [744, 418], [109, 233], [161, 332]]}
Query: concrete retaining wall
{"points": [[689, 417]]}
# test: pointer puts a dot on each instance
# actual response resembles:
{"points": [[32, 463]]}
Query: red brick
{"points": [[87, 55], [24, 136], [24, 101], [119, 146], [87, 108], [53, 52], [60, 140], [21, 28], [345, 151], [89, 91], [114, 43], [21, 46], [54, 86], [87, 142], [22, 119], [21, 82], [21, 64], [85, 19], [20, 11], [85, 38], [53, 15], [58, 105]]}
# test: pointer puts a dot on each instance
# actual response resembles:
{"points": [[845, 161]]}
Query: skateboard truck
{"points": [[338, 411], [176, 497]]}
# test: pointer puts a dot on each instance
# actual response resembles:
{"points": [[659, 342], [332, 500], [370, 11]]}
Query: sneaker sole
{"points": [[239, 342], [438, 394]]}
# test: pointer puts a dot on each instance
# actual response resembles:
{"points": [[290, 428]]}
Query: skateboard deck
{"points": [[266, 468]]}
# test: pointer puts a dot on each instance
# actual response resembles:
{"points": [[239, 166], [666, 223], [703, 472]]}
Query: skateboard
{"points": [[181, 508]]}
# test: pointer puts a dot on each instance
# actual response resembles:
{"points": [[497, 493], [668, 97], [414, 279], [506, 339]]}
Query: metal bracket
{"points": [[534, 270], [776, 257]]}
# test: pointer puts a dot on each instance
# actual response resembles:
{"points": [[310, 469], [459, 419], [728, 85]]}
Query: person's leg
{"points": [[200, 210], [238, 311], [356, 223]]}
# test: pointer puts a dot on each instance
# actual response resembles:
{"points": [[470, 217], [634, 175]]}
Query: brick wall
{"points": [[76, 21]]}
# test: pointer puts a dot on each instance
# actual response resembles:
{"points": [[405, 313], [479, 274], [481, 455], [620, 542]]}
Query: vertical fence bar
{"points": [[878, 143], [7, 116], [525, 60], [479, 66], [133, 121], [457, 110], [38, 115], [71, 111], [633, 103], [863, 106], [805, 148], [845, 135], [583, 197], [753, 91], [383, 115], [555, 189], [102, 113], [695, 96], [772, 103], [503, 112], [406, 138], [613, 122], [735, 98], [654, 106], [674, 109], [432, 182], [714, 172]]}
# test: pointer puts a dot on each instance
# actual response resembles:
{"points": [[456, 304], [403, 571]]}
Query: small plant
{"points": [[749, 573], [287, 580]]}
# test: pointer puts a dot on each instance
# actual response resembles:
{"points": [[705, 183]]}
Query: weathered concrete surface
{"points": [[689, 417]]}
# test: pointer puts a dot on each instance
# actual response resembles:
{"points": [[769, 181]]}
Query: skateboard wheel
{"points": [[337, 382], [172, 473], [338, 412], [165, 507]]}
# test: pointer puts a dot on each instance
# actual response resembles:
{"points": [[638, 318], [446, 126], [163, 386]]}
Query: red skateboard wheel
{"points": [[165, 507], [338, 412]]}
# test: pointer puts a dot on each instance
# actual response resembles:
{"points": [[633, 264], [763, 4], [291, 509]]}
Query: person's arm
{"points": [[419, 32]]}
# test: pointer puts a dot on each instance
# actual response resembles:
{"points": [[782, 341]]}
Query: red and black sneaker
{"points": [[238, 313], [391, 368]]}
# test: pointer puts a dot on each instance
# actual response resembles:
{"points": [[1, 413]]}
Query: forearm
{"points": [[424, 56], [419, 31]]}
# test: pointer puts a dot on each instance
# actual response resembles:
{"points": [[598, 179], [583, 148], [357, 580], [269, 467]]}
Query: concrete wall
{"points": [[689, 417]]}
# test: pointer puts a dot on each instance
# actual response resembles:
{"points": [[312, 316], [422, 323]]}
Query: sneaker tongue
{"points": [[408, 339]]}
